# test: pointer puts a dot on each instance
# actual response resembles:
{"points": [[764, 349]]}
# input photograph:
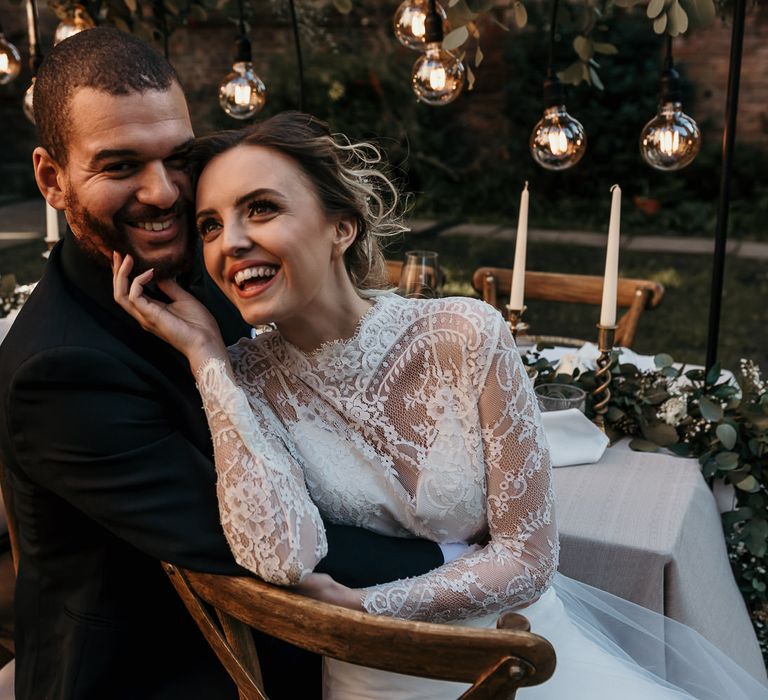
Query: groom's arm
{"points": [[359, 558]]}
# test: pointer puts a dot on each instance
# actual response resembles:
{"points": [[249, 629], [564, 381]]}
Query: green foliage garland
{"points": [[720, 420]]}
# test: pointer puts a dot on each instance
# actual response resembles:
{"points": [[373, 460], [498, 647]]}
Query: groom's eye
{"points": [[122, 167]]}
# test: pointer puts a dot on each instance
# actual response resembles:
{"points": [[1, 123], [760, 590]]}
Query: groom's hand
{"points": [[323, 587]]}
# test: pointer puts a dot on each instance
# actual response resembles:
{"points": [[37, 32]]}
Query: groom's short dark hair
{"points": [[103, 59]]}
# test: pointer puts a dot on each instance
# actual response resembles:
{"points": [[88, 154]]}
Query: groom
{"points": [[101, 427]]}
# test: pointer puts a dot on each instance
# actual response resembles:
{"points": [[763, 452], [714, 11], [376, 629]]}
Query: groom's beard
{"points": [[93, 235]]}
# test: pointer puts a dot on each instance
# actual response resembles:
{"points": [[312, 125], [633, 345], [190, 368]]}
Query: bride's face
{"points": [[267, 242]]}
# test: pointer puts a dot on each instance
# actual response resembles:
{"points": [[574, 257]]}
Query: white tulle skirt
{"points": [[607, 649]]}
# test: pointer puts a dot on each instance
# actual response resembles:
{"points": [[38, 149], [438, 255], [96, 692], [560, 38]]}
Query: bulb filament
{"points": [[437, 78], [558, 142], [242, 95], [4, 62], [670, 142], [418, 28]]}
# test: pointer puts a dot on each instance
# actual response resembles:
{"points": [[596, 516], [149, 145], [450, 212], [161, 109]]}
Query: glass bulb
{"points": [[78, 22], [558, 141], [410, 21], [671, 140], [10, 61], [28, 96], [438, 77], [242, 93]]}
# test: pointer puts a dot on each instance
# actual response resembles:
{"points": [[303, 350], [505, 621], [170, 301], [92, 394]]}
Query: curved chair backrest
{"points": [[636, 295], [495, 661]]}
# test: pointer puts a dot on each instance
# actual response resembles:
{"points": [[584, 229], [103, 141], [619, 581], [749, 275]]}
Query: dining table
{"points": [[646, 527]]}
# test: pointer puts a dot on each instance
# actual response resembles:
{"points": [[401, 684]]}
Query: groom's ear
{"points": [[344, 235], [49, 176]]}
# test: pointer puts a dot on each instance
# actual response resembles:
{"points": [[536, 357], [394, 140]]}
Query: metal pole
{"points": [[299, 60], [723, 205]]}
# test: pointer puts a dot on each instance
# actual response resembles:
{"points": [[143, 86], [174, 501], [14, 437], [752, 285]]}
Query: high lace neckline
{"points": [[337, 345]]}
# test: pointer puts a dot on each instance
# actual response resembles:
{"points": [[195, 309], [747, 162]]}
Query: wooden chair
{"points": [[496, 662], [636, 295]]}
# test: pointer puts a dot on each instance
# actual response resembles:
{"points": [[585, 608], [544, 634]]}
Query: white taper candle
{"points": [[521, 244], [611, 280]]}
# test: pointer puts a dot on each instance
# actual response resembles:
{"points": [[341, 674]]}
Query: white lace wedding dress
{"points": [[424, 424]]}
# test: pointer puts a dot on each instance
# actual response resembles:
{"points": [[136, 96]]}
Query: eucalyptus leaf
{"points": [[757, 537], [343, 6], [604, 48], [654, 8], [670, 372], [727, 434], [701, 13], [470, 78], [727, 461], [663, 360], [710, 410], [521, 15], [748, 484], [758, 585], [640, 445], [660, 433], [614, 414], [660, 23], [131, 5], [7, 285], [678, 20], [583, 47], [453, 40], [714, 374], [736, 516], [573, 74]]}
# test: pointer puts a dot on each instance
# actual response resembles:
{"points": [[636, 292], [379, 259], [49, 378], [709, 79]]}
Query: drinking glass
{"points": [[420, 276], [559, 397]]}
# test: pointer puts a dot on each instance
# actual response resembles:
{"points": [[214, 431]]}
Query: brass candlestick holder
{"points": [[515, 321], [602, 393]]}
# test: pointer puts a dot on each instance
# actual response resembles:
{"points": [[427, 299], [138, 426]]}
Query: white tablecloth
{"points": [[646, 527]]}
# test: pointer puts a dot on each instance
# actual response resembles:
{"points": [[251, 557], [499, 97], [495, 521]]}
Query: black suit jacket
{"points": [[109, 456]]}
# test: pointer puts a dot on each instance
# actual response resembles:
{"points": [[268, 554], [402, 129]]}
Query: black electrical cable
{"points": [[299, 59]]}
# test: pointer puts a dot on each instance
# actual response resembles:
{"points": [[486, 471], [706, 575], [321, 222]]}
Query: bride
{"points": [[408, 417]]}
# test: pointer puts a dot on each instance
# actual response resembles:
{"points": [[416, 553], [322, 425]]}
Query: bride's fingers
{"points": [[136, 291], [121, 270]]}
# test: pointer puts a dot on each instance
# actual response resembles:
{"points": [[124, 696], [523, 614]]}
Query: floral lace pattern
{"points": [[423, 423]]}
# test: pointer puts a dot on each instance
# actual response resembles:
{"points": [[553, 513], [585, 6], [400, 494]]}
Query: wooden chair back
{"points": [[635, 295], [495, 661]]}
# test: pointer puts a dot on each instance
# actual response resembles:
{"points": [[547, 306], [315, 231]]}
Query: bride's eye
{"points": [[261, 207], [206, 227]]}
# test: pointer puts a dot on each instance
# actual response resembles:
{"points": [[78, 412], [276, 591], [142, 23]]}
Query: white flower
{"points": [[673, 410]]}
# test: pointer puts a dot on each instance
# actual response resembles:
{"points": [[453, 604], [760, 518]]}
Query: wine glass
{"points": [[420, 277]]}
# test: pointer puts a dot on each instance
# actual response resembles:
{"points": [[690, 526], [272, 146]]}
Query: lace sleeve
{"points": [[272, 526], [517, 564]]}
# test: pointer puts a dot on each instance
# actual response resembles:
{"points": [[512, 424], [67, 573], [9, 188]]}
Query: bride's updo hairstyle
{"points": [[348, 178]]}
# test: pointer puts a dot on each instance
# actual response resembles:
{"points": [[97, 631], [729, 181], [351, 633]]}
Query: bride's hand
{"points": [[184, 322], [323, 587]]}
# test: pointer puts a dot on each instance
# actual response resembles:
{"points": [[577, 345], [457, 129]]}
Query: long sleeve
{"points": [[518, 562], [269, 520]]}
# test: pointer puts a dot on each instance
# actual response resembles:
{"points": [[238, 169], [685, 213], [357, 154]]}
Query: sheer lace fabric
{"points": [[423, 423]]}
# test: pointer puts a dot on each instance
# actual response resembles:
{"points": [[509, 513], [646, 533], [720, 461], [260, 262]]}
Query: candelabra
{"points": [[602, 392], [515, 321]]}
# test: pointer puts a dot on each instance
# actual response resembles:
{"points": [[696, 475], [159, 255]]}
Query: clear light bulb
{"points": [[27, 103], [671, 140], [558, 140], [410, 22], [78, 22], [10, 61], [438, 77], [242, 93]]}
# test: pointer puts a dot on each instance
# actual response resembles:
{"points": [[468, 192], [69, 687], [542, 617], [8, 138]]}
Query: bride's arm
{"points": [[269, 520], [272, 526], [518, 562]]}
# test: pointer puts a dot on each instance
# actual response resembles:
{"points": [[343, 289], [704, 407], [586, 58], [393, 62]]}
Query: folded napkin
{"points": [[573, 438]]}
